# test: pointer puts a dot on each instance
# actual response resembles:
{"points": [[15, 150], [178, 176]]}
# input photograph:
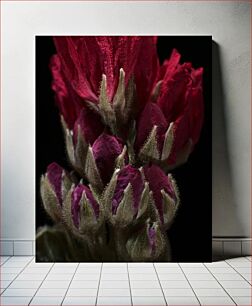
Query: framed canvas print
{"points": [[123, 149]]}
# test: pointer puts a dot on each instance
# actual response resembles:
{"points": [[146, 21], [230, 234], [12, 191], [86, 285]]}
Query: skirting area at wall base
{"points": [[17, 247], [228, 247], [222, 248]]}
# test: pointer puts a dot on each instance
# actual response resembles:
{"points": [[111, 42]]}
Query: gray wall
{"points": [[227, 22]]}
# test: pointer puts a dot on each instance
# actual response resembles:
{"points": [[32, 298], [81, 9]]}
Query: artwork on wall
{"points": [[123, 148]]}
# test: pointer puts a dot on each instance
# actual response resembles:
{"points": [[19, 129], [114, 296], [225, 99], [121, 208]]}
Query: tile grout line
{"points": [[9, 257], [246, 258], [70, 284], [189, 284], [41, 283], [1, 266], [235, 271], [16, 276], [239, 272], [129, 284], [160, 284], [220, 284], [99, 284]]}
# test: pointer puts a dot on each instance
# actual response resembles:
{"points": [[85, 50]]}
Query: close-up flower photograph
{"points": [[125, 153], [125, 149]]}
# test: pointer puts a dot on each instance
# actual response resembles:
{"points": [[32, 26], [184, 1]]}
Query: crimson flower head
{"points": [[170, 125], [119, 77], [181, 100], [114, 75], [85, 59], [127, 120]]}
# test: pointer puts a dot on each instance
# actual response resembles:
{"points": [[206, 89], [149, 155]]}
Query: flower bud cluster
{"points": [[126, 123]]}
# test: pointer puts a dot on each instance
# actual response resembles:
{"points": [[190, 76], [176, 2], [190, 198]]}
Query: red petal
{"points": [[169, 65], [73, 63], [173, 89], [197, 77], [181, 135], [86, 58], [150, 116], [158, 181], [196, 104], [190, 120], [91, 61], [118, 52], [68, 102]]}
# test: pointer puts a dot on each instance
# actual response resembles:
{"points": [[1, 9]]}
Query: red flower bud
{"points": [[181, 101], [76, 197], [158, 182], [151, 116], [132, 176], [54, 174], [106, 150], [54, 186]]}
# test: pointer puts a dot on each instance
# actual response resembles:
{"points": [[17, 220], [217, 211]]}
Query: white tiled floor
{"points": [[24, 282]]}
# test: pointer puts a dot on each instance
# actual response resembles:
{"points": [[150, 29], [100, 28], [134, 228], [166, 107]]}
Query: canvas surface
{"points": [[188, 237]]}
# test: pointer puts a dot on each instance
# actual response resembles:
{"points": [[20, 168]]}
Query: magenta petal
{"points": [[127, 175], [106, 149], [76, 197], [54, 174], [90, 125], [158, 180], [150, 116]]}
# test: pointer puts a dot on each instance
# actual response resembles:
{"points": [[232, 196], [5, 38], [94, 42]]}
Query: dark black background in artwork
{"points": [[191, 234]]}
